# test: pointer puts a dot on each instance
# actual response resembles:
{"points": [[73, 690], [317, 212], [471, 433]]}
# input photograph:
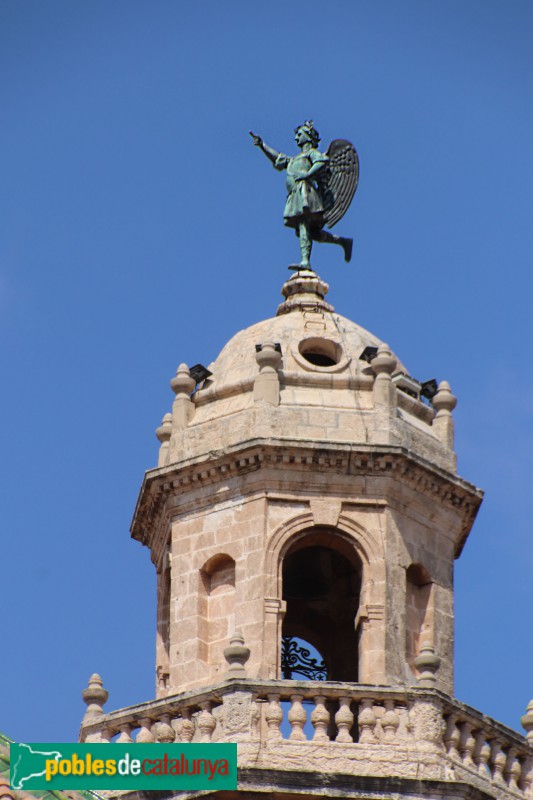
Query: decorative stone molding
{"points": [[238, 717], [304, 291], [160, 485], [374, 611]]}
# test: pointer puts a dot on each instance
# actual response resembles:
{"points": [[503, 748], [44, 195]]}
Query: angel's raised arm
{"points": [[268, 151]]}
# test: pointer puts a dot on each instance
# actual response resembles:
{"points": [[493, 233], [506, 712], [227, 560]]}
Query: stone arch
{"points": [[359, 537], [321, 585], [216, 606], [347, 547]]}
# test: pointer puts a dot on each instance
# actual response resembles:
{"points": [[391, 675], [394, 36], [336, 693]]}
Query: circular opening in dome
{"points": [[320, 352]]}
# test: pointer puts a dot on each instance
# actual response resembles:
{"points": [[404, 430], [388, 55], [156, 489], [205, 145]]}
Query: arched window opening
{"points": [[418, 597], [321, 587], [217, 607]]}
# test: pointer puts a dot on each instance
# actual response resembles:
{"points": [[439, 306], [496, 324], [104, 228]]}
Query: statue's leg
{"points": [[305, 245], [330, 238]]}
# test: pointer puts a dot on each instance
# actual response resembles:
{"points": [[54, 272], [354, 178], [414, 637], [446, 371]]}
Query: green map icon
{"points": [[28, 762]]}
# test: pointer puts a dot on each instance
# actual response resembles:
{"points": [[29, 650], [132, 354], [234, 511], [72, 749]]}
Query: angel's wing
{"points": [[338, 181]]}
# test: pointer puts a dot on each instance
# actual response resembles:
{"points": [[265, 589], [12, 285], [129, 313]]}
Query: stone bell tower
{"points": [[306, 493]]}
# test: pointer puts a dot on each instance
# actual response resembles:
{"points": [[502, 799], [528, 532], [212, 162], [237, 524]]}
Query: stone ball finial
{"points": [[164, 431], [384, 362], [444, 401], [182, 383], [427, 663], [94, 696], [236, 655], [527, 722]]}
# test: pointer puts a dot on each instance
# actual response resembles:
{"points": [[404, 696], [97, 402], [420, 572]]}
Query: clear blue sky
{"points": [[140, 228]]}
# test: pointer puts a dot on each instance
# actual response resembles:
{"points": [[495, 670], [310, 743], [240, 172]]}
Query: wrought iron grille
{"points": [[296, 659]]}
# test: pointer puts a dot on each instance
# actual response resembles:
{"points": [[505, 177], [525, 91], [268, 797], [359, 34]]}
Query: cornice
{"points": [[188, 475]]}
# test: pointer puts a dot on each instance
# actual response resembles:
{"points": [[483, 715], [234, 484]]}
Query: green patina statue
{"points": [[320, 187]]}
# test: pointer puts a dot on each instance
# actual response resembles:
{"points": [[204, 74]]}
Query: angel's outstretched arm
{"points": [[268, 151]]}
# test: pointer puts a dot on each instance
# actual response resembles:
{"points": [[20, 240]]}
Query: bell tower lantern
{"points": [[306, 490]]}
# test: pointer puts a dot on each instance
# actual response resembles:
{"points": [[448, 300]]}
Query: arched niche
{"points": [[321, 580], [418, 611], [216, 598], [163, 627]]}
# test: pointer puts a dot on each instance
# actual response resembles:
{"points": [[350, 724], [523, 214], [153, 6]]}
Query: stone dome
{"points": [[311, 342], [319, 349], [299, 376]]}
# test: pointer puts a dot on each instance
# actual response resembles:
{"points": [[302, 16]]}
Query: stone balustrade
{"points": [[477, 745], [176, 719], [350, 728]]}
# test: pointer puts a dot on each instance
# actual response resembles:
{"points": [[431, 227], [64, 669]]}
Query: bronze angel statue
{"points": [[320, 187]]}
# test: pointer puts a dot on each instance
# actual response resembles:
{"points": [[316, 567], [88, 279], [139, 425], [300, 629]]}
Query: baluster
{"points": [[483, 755], [206, 722], [404, 727], [320, 719], [467, 744], [344, 720], [513, 770], [452, 737], [516, 773], [527, 777], [274, 717], [145, 735], [367, 722], [389, 722], [125, 734], [107, 734], [498, 762], [186, 726], [164, 732], [297, 717]]}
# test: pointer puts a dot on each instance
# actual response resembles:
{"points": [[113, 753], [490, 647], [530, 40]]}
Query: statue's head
{"points": [[310, 132]]}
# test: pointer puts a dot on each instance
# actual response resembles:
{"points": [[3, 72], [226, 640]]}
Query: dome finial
{"points": [[304, 290]]}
